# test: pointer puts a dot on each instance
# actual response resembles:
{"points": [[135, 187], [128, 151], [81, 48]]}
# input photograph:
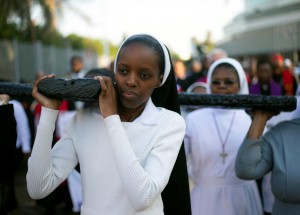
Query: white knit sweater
{"points": [[124, 165]]}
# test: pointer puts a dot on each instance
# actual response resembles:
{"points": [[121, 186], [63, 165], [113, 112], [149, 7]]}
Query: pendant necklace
{"points": [[223, 154]]}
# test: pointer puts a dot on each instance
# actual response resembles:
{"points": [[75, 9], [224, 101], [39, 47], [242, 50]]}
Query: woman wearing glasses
{"points": [[212, 139]]}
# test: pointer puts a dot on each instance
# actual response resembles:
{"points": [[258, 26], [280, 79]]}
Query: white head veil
{"points": [[166, 55], [244, 89]]}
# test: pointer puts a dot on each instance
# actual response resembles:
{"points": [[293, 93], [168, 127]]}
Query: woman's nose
{"points": [[131, 80], [223, 84]]}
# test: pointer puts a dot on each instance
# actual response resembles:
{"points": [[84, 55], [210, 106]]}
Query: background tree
{"points": [[15, 17], [202, 48], [208, 43], [16, 22]]}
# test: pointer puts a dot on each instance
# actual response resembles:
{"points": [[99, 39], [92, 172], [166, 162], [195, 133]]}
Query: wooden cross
{"points": [[223, 155]]}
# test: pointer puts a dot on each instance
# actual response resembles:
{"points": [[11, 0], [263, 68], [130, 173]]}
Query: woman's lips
{"points": [[128, 94]]}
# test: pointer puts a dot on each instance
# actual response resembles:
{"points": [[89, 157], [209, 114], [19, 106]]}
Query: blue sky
{"points": [[174, 22]]}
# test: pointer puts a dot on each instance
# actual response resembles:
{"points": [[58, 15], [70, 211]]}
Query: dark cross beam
{"points": [[89, 89]]}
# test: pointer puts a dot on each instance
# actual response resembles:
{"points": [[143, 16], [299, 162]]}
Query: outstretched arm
{"points": [[258, 124], [254, 156]]}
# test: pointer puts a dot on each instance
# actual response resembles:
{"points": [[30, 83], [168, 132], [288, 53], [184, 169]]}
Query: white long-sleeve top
{"points": [[23, 131], [124, 165]]}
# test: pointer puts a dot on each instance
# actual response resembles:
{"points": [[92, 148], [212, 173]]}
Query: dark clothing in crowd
{"points": [[188, 81], [273, 89], [8, 133]]}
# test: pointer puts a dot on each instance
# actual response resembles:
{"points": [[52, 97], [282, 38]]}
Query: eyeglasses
{"points": [[226, 82]]}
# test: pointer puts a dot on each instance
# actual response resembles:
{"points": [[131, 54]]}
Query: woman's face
{"points": [[264, 73], [199, 89], [76, 65], [137, 74], [224, 81]]}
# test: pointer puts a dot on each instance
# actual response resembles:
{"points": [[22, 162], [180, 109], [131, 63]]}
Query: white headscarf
{"points": [[166, 55], [244, 89], [195, 85]]}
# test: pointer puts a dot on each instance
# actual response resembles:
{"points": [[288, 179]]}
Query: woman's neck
{"points": [[130, 114]]}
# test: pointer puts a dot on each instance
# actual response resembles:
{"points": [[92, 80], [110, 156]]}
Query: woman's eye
{"points": [[122, 71], [144, 75]]}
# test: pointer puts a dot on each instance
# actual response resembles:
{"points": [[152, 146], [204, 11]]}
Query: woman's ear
{"points": [[160, 80]]}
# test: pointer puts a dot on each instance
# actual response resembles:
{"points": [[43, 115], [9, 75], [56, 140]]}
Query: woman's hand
{"points": [[107, 97], [262, 114], [259, 120], [43, 100]]}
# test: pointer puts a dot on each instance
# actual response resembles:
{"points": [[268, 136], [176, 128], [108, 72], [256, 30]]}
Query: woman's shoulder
{"points": [[169, 113], [170, 116], [282, 129], [288, 124]]}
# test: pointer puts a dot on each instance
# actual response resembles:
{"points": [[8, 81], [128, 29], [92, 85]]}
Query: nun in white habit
{"points": [[212, 140]]}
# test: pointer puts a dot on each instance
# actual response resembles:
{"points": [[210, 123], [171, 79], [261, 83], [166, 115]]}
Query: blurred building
{"points": [[265, 27]]}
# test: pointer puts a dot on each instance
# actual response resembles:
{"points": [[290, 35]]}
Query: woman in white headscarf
{"points": [[212, 139], [127, 147]]}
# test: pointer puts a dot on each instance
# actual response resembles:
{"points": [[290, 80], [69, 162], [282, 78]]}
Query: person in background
{"points": [[297, 74], [128, 149], [77, 68], [205, 63], [195, 66], [77, 71], [288, 65], [8, 132], [197, 87], [215, 54], [212, 139], [283, 76], [276, 152], [180, 73], [265, 84], [27, 103], [22, 145], [194, 73]]}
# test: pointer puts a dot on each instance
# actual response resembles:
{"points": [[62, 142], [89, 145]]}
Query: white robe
{"points": [[216, 189]]}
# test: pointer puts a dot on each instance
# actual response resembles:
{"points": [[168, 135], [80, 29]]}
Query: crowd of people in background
{"points": [[272, 75], [27, 114], [210, 194]]}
